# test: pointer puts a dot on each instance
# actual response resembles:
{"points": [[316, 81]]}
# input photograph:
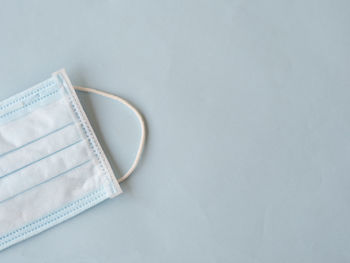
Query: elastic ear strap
{"points": [[139, 116]]}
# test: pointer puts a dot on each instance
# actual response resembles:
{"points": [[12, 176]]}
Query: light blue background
{"points": [[247, 106]]}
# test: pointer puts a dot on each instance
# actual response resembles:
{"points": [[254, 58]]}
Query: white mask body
{"points": [[52, 166]]}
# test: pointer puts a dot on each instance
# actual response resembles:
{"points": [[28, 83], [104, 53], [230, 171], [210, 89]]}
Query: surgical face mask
{"points": [[52, 166]]}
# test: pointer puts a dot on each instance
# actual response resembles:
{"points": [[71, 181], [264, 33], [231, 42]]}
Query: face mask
{"points": [[52, 166]]}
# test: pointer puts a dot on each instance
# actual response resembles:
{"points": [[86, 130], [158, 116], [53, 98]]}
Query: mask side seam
{"points": [[88, 136], [86, 127]]}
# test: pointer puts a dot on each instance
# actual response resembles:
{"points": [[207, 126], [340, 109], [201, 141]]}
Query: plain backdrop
{"points": [[247, 107]]}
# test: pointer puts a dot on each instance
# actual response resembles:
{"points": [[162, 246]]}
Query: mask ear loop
{"points": [[139, 116]]}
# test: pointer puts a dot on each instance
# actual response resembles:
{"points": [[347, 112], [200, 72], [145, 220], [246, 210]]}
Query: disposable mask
{"points": [[52, 166]]}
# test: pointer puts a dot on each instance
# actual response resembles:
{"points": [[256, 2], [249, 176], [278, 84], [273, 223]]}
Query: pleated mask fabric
{"points": [[52, 166]]}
